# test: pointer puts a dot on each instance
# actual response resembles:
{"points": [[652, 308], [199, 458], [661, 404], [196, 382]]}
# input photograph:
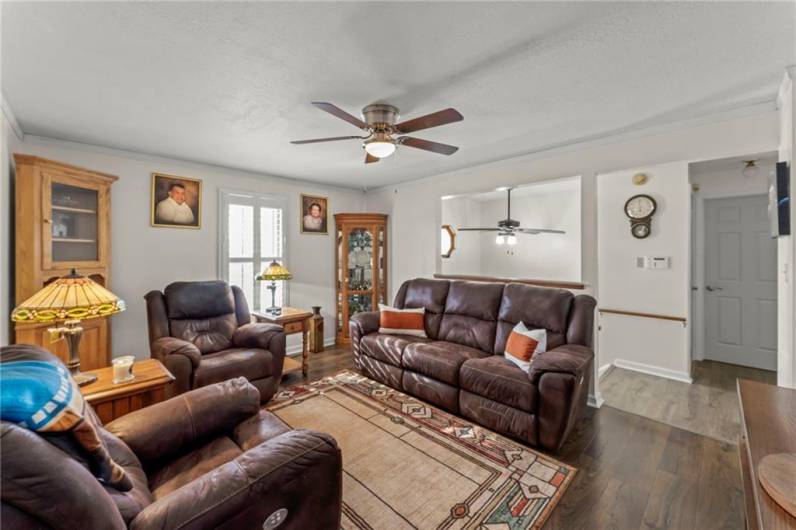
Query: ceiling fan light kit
{"points": [[380, 124]]}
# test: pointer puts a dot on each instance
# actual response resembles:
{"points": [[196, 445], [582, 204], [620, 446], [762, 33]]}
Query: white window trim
{"points": [[225, 196]]}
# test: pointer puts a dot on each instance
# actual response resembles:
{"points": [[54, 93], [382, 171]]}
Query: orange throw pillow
{"points": [[523, 344], [395, 321]]}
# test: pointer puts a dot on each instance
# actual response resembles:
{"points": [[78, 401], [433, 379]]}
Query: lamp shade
{"points": [[275, 271], [71, 297]]}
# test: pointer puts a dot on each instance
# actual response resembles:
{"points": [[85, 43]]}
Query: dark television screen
{"points": [[779, 201]]}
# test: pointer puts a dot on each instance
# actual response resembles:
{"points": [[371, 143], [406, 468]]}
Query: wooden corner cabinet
{"points": [[62, 221], [360, 266]]}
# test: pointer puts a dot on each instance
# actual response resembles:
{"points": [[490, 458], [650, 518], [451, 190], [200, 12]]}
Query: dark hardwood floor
{"points": [[633, 472]]}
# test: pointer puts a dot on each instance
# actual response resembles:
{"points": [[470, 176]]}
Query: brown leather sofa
{"points": [[460, 366], [202, 332], [206, 459]]}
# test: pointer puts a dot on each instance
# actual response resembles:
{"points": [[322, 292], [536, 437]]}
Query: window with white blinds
{"points": [[252, 235]]}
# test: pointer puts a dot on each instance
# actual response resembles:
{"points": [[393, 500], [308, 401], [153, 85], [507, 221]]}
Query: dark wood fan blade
{"points": [[316, 140], [369, 159], [478, 229], [340, 113], [434, 147], [435, 119], [539, 231]]}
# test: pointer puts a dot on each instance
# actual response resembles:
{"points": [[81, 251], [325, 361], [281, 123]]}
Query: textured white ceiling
{"points": [[230, 83]]}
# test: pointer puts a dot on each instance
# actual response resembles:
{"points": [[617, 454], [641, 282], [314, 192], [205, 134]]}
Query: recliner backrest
{"points": [[537, 308], [205, 313], [428, 294], [471, 313]]}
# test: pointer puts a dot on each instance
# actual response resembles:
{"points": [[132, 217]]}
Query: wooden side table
{"points": [[293, 320], [111, 400]]}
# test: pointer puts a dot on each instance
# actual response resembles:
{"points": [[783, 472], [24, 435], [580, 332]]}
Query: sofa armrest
{"points": [[562, 377], [567, 359], [362, 324], [164, 430], [163, 347], [298, 471], [257, 335]]}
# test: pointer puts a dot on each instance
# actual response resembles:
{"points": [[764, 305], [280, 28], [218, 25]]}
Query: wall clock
{"points": [[640, 209]]}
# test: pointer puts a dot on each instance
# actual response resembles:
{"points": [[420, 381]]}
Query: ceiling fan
{"points": [[508, 228], [381, 127]]}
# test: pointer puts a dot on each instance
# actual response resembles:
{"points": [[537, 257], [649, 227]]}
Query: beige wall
{"points": [[146, 258]]}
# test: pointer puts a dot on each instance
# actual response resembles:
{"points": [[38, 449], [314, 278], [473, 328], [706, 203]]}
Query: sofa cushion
{"points": [[229, 364], [471, 312], [428, 294], [537, 307], [193, 465], [388, 348], [498, 379], [440, 360]]}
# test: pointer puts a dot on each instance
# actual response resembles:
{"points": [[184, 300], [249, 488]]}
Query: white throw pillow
{"points": [[523, 344], [394, 321]]}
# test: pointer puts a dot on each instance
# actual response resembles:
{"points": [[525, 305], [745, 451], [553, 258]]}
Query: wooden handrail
{"points": [[541, 283], [642, 315]]}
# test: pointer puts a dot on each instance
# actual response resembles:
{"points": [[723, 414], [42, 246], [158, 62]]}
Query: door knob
{"points": [[711, 289]]}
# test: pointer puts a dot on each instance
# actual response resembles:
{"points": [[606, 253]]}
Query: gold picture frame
{"points": [[173, 214], [307, 217]]}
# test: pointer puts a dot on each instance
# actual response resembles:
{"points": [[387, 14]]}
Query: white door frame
{"points": [[698, 334]]}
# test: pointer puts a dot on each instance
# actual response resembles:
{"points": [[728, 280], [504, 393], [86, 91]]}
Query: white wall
{"points": [[643, 343], [414, 207], [713, 180], [539, 256], [459, 211], [146, 258], [554, 204], [786, 282], [6, 292]]}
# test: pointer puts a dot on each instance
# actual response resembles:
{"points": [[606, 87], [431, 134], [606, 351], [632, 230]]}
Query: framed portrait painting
{"points": [[314, 214], [176, 201]]}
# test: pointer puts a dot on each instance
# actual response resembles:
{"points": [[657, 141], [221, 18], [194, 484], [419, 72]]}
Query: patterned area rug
{"points": [[407, 464]]}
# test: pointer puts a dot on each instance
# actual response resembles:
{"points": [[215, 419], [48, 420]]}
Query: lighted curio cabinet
{"points": [[62, 221], [360, 266]]}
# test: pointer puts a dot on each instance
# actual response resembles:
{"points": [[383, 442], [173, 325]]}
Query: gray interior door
{"points": [[740, 282]]}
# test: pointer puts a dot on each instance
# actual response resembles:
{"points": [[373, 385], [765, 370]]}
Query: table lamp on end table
{"points": [[274, 272], [68, 300]]}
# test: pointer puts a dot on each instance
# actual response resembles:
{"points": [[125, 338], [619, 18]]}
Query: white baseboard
{"points": [[295, 351], [649, 369], [595, 402], [604, 370]]}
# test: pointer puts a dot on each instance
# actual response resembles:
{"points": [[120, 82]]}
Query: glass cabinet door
{"points": [[359, 270], [71, 230]]}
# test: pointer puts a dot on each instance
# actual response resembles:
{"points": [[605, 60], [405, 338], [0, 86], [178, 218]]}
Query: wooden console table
{"points": [[110, 400], [768, 426], [293, 320]]}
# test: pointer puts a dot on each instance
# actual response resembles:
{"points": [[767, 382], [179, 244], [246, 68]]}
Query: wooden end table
{"points": [[110, 400], [293, 320]]}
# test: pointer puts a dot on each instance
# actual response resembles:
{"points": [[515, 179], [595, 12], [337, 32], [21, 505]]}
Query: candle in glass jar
{"points": [[123, 369]]}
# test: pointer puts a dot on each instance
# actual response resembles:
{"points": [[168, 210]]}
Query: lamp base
{"points": [[84, 379], [273, 310]]}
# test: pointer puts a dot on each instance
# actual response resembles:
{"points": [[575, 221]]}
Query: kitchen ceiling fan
{"points": [[508, 228], [382, 130]]}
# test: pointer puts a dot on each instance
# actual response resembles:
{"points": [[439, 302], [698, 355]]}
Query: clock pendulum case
{"points": [[640, 209]]}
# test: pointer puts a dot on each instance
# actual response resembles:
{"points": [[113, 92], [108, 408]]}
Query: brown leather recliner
{"points": [[461, 367], [206, 459], [202, 332]]}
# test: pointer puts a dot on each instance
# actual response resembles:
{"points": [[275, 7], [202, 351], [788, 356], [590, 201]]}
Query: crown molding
{"points": [[12, 119], [165, 159]]}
